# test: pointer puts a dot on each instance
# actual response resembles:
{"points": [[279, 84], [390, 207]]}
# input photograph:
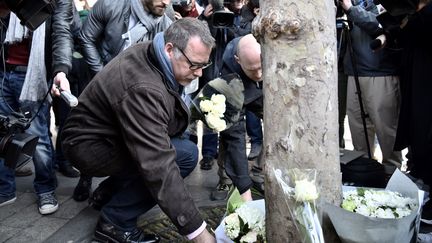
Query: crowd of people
{"points": [[136, 64]]}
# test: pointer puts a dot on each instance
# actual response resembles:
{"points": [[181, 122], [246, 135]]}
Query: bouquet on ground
{"points": [[378, 203], [219, 102], [300, 188], [378, 215], [245, 221]]}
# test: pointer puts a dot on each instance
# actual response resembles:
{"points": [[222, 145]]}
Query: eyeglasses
{"points": [[195, 66]]}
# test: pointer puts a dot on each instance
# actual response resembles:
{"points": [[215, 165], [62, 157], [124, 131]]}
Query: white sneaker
{"points": [[47, 203], [6, 201]]}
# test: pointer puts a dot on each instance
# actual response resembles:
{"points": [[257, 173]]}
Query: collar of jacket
{"points": [[151, 55]]}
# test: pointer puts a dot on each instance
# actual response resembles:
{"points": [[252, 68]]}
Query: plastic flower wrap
{"points": [[378, 215], [244, 221], [219, 102], [300, 187]]}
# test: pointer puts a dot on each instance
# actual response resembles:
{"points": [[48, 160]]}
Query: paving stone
{"points": [[39, 231]]}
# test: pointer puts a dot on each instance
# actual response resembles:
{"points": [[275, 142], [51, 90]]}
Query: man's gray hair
{"points": [[183, 29]]}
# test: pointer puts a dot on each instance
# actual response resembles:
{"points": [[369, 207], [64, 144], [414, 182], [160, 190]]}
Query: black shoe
{"points": [[68, 171], [206, 163], [106, 232], [82, 189], [221, 192], [255, 151]]}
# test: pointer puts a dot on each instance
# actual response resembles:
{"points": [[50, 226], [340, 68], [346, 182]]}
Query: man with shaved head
{"points": [[243, 57]]}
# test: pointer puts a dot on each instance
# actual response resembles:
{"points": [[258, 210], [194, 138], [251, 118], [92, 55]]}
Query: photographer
{"points": [[415, 121], [378, 81], [24, 73], [186, 8]]}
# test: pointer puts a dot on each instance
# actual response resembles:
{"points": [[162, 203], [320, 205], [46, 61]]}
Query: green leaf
{"points": [[361, 191], [234, 201]]}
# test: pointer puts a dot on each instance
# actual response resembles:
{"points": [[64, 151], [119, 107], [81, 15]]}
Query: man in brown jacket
{"points": [[128, 125]]}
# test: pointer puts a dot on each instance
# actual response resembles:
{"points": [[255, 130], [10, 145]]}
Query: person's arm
{"points": [[62, 45], [236, 163], [365, 19], [90, 34]]}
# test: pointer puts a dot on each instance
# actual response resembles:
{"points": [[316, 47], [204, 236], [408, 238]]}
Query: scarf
{"points": [[147, 25], [35, 86], [165, 63]]}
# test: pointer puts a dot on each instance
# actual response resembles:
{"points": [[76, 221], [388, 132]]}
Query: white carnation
{"points": [[250, 237], [232, 225], [305, 191]]}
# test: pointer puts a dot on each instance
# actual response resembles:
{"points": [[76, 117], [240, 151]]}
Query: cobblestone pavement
{"points": [[161, 225]]}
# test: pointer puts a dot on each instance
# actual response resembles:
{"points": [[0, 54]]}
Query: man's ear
{"points": [[169, 50], [237, 59]]}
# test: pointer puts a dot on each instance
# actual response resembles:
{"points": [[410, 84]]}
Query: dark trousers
{"points": [[134, 199], [254, 128]]}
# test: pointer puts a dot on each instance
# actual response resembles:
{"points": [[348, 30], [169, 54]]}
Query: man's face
{"points": [[156, 7], [251, 65], [196, 52]]}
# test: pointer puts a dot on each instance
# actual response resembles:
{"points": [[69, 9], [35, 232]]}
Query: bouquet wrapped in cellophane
{"points": [[299, 186], [219, 102], [378, 215], [244, 221]]}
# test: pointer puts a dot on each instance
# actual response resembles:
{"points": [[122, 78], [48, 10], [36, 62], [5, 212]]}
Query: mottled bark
{"points": [[300, 102]]}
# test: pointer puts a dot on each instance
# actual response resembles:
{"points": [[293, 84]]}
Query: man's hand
{"points": [[204, 237], [60, 81], [177, 15], [346, 4], [208, 11]]}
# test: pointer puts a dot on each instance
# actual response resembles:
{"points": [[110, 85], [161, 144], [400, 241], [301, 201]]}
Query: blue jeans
{"points": [[254, 128], [45, 178], [134, 199]]}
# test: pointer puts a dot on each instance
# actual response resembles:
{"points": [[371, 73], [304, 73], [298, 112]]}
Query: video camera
{"points": [[32, 13], [181, 3], [16, 147], [221, 18]]}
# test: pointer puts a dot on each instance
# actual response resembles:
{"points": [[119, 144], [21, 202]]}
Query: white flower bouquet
{"points": [[299, 187], [245, 221], [378, 203], [219, 102], [378, 215]]}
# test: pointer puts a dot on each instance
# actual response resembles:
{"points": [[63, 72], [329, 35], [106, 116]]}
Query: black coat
{"points": [[415, 121]]}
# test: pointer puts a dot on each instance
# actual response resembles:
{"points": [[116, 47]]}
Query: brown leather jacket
{"points": [[129, 106]]}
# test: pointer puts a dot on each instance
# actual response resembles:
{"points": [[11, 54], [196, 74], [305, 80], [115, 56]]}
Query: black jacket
{"points": [[101, 33]]}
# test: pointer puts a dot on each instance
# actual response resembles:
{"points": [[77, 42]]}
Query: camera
{"points": [[221, 18], [32, 13], [181, 3], [16, 146]]}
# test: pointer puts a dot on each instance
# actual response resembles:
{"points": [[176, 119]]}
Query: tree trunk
{"points": [[300, 106]]}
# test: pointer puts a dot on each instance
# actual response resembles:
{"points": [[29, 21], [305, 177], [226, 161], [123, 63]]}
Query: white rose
{"points": [[218, 99], [218, 109], [305, 191], [206, 105], [214, 122]]}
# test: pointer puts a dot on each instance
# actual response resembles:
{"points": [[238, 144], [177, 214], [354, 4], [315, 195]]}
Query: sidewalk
{"points": [[75, 221]]}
